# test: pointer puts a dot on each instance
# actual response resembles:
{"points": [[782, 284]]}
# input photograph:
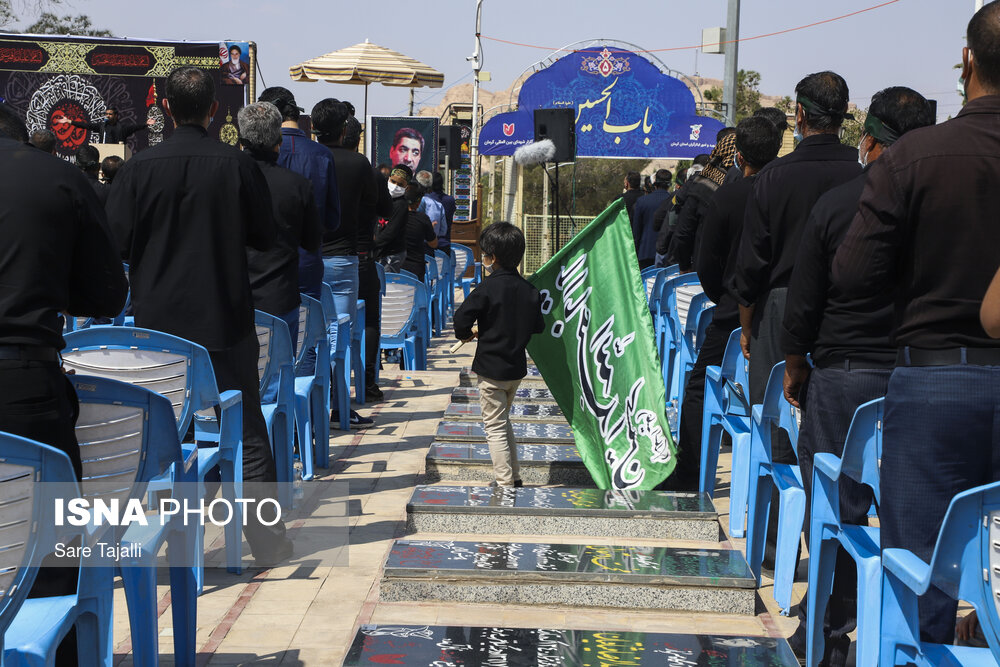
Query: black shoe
{"points": [[518, 484], [283, 553], [373, 394], [356, 420]]}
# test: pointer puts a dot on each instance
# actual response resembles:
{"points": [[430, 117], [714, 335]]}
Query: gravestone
{"points": [[540, 464], [535, 432], [533, 393], [466, 378], [572, 575], [562, 511], [519, 412], [530, 647]]}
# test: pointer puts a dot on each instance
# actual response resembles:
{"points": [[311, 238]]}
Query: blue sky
{"points": [[910, 42]]}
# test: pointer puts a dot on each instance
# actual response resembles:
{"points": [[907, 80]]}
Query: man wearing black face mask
{"points": [[776, 213], [848, 338]]}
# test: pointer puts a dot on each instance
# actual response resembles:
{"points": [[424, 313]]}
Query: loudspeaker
{"points": [[559, 125], [450, 144]]}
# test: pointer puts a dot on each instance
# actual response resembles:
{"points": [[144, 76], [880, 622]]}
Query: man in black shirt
{"points": [[926, 229], [419, 233], [356, 187], [757, 143], [633, 190], [777, 211], [56, 256], [644, 230], [848, 338], [274, 273], [183, 213], [88, 159], [111, 131]]}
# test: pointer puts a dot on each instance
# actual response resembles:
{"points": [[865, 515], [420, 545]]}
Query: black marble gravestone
{"points": [[523, 432], [540, 463], [533, 393], [519, 412], [533, 647]]}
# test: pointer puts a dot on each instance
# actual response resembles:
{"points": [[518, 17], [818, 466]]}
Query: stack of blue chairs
{"points": [[464, 259], [275, 365], [340, 355], [446, 287], [312, 388], [405, 324]]}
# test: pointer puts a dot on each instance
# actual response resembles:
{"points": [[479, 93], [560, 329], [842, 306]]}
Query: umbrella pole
{"points": [[366, 102]]}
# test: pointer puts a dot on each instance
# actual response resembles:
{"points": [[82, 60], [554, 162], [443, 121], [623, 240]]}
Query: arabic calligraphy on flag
{"points": [[598, 355]]}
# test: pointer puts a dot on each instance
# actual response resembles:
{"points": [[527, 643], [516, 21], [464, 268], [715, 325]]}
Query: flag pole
{"points": [[477, 65]]}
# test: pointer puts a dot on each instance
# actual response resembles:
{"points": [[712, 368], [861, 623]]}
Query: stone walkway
{"points": [[307, 615]]}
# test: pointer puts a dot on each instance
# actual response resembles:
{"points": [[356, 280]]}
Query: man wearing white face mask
{"points": [[390, 239], [848, 338]]}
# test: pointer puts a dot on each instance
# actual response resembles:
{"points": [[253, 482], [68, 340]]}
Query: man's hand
{"points": [[62, 121], [796, 373], [746, 326], [150, 122]]}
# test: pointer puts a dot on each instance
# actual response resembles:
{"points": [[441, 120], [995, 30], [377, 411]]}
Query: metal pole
{"points": [[411, 101], [732, 60], [558, 230], [477, 65]]}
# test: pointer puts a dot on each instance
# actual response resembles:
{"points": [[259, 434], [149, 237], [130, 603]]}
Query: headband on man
{"points": [[814, 109], [879, 131]]}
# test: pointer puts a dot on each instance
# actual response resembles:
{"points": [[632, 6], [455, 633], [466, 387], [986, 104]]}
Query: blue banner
{"points": [[625, 107]]}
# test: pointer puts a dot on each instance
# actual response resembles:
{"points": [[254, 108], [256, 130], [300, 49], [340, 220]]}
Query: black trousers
{"points": [[236, 368], [370, 291], [941, 437], [37, 401], [829, 399], [689, 438]]}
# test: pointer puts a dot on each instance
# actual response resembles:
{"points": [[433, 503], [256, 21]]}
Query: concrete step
{"points": [[605, 576], [549, 434], [533, 393], [540, 464], [522, 647], [519, 412], [562, 511]]}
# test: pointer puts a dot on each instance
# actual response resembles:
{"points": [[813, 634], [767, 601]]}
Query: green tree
{"points": [[587, 187], [51, 24], [747, 94], [786, 104], [853, 129]]}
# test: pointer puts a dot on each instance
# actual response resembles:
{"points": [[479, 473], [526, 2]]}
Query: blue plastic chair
{"points": [[312, 392], [446, 289], [697, 317], [654, 291], [181, 371], [275, 366], [466, 259], [432, 281], [128, 434], [775, 411], [403, 319], [727, 409], [862, 451], [965, 565], [358, 354], [339, 327], [33, 628], [673, 303]]}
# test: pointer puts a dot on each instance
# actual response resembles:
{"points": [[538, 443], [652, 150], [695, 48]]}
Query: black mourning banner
{"points": [[47, 79]]}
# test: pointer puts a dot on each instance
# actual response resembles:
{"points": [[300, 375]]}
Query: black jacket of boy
{"points": [[508, 310]]}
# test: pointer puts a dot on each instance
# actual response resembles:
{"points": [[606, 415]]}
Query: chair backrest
{"points": [[776, 409], [443, 263], [401, 304], [863, 446], [706, 311], [431, 272], [171, 366], [380, 270], [667, 299], [275, 346], [27, 522], [648, 276], [466, 259], [408, 274], [683, 298], [459, 263], [312, 327], [966, 560]]}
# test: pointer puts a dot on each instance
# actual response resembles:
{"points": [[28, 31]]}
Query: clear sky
{"points": [[910, 42]]}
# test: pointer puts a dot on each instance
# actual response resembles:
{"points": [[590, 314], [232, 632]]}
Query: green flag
{"points": [[598, 355]]}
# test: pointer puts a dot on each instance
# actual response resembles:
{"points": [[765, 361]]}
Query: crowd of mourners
{"points": [[866, 271]]}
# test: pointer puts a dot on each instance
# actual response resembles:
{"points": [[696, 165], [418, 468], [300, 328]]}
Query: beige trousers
{"points": [[495, 399]]}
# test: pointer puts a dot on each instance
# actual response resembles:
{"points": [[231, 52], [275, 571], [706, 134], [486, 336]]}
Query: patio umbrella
{"points": [[368, 63]]}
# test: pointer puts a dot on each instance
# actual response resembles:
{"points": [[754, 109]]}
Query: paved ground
{"points": [[308, 615]]}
